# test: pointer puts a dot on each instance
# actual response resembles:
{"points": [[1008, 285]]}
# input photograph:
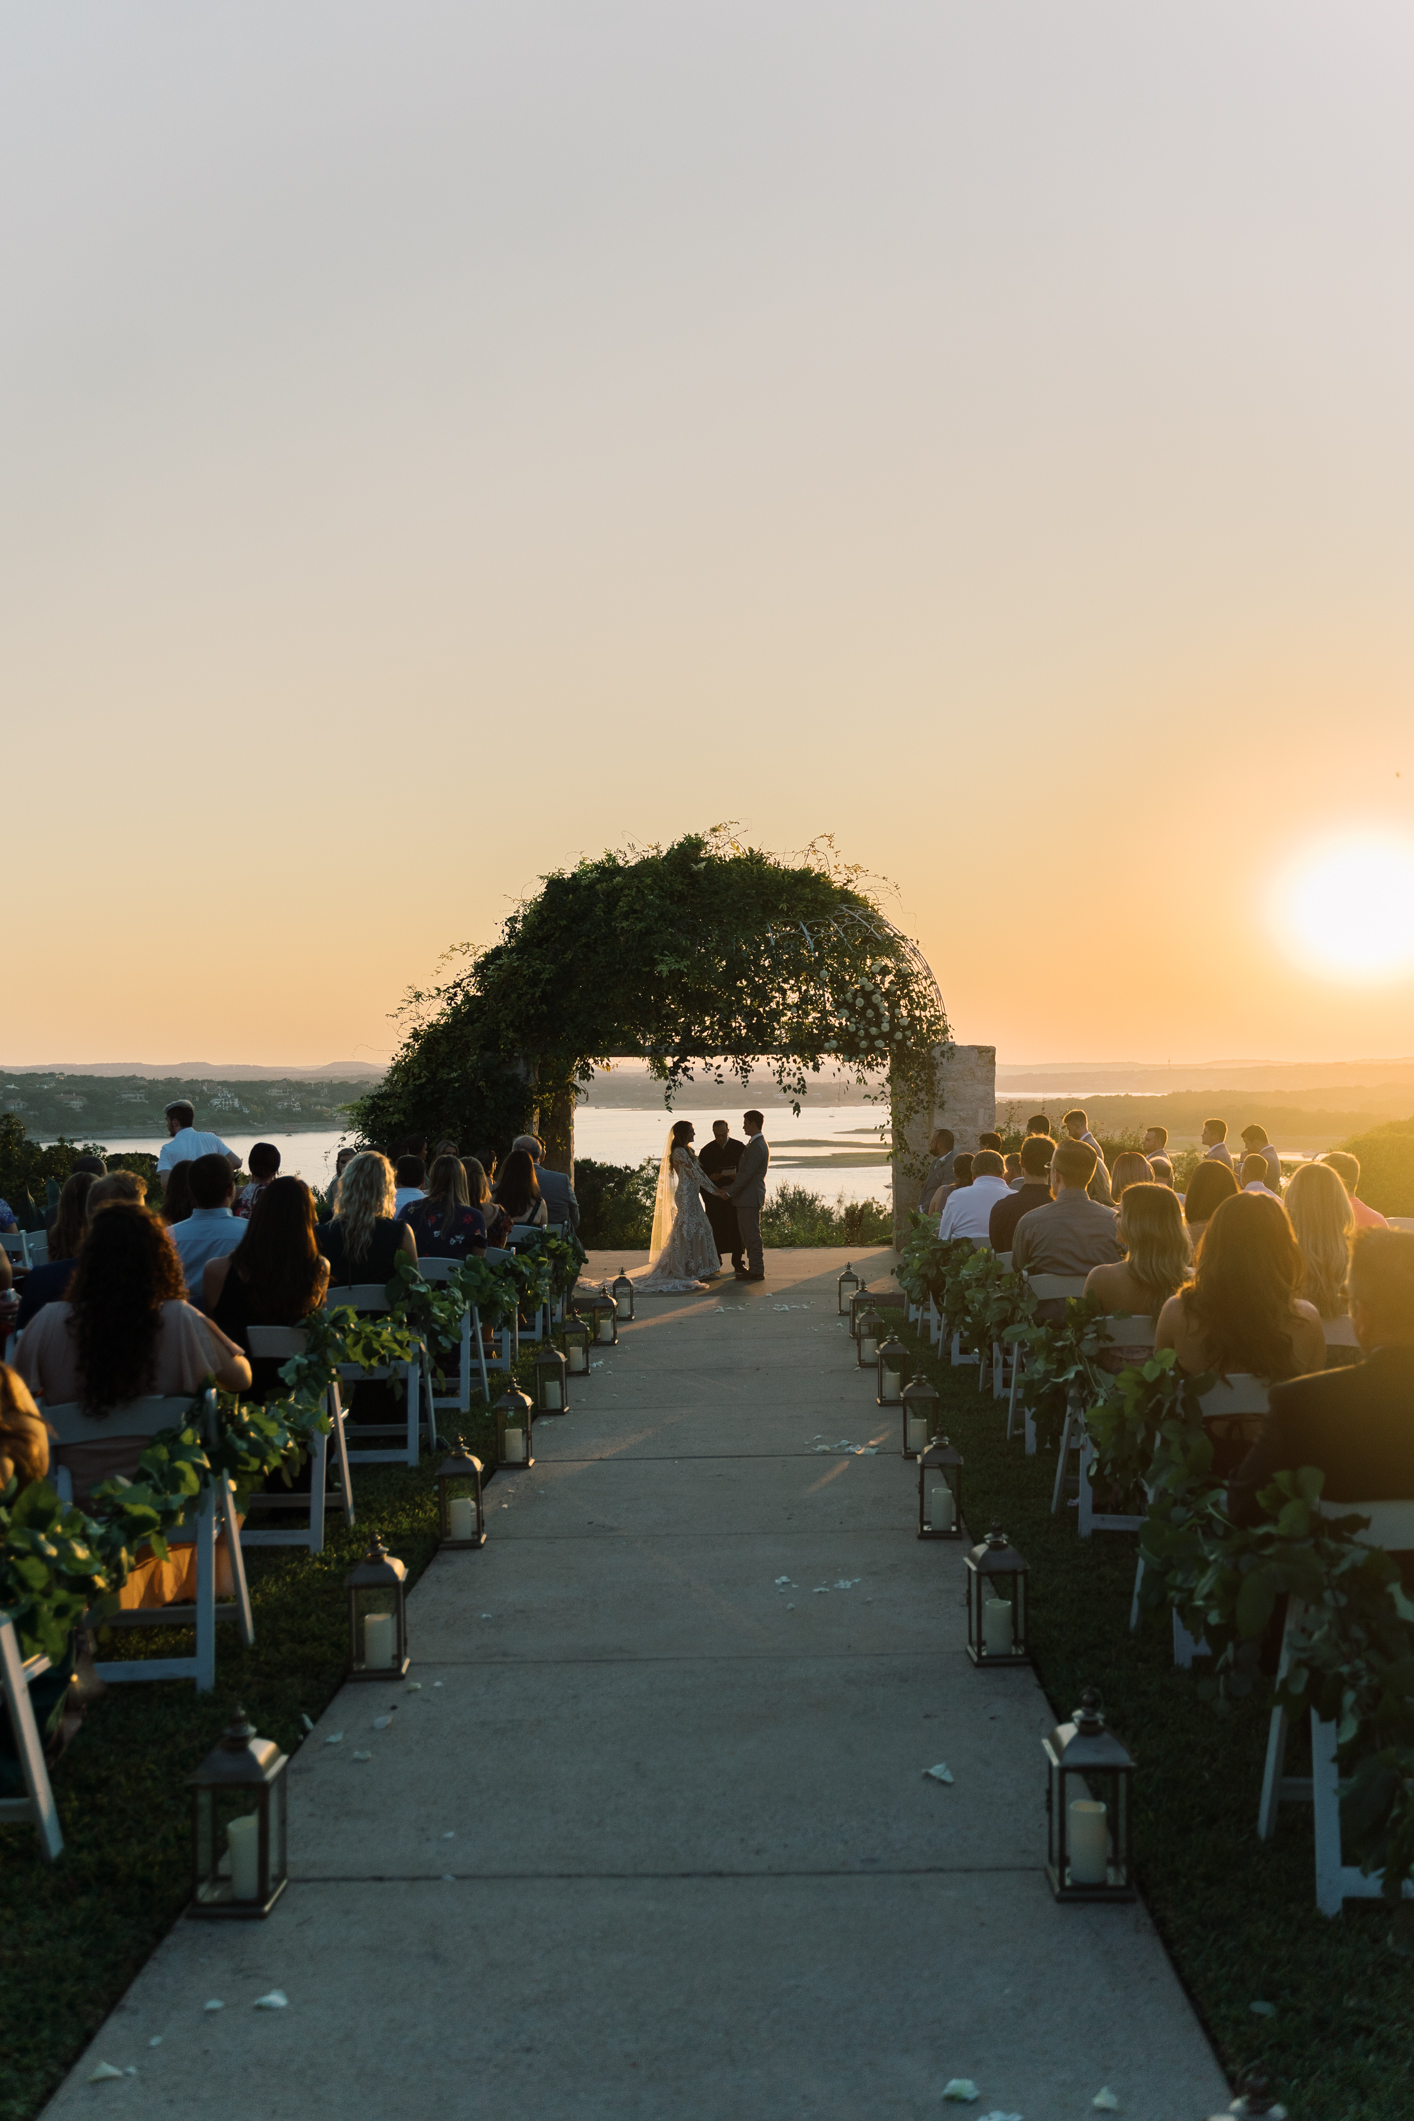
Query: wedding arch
{"points": [[705, 959]]}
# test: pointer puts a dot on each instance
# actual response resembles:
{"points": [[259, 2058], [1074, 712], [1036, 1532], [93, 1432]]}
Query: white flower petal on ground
{"points": [[1105, 2100], [941, 1773], [274, 2000], [156, 2040], [414, 1686], [782, 1579], [214, 2005], [380, 1723], [1262, 2010], [101, 2071], [451, 1834], [962, 2089], [337, 1739], [363, 1756]]}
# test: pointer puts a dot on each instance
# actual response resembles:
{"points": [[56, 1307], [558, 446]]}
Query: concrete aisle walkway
{"points": [[696, 1872]]}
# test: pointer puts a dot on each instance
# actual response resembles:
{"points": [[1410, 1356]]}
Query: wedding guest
{"points": [[1324, 1225], [1012, 1170], [1129, 1169], [1209, 1185], [1356, 1424], [1252, 1176], [478, 1193], [1072, 1233], [9, 1221], [445, 1224], [363, 1238], [187, 1142], [1240, 1312], [47, 1284], [1039, 1124], [561, 1204], [24, 1440], [445, 1148], [961, 1176], [517, 1190], [71, 1219], [275, 1276], [1215, 1148], [939, 1171], [411, 1184], [1257, 1141], [176, 1195], [1162, 1170], [1033, 1192], [968, 1212], [1155, 1142], [1157, 1255], [212, 1229], [125, 1331], [988, 1141], [342, 1161], [1077, 1126], [1347, 1170], [264, 1166]]}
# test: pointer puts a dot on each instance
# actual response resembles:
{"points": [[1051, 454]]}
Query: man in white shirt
{"points": [[1254, 1175], [211, 1230], [188, 1142], [967, 1211], [1215, 1148]]}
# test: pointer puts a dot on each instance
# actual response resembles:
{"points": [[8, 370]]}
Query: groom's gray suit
{"points": [[747, 1194]]}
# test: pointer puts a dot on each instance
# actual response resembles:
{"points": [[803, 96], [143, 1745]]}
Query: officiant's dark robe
{"points": [[716, 1158]]}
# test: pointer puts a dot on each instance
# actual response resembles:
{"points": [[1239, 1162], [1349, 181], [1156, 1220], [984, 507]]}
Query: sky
{"points": [[440, 440]]}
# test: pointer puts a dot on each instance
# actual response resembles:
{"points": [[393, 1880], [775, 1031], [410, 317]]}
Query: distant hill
{"points": [[361, 1072], [109, 1108]]}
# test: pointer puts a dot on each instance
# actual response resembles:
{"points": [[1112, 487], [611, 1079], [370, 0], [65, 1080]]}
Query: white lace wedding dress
{"points": [[684, 1251]]}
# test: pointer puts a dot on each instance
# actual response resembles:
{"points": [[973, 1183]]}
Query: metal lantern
{"points": [[919, 1401], [1090, 1832], [551, 1382], [859, 1303], [621, 1289], [846, 1286], [601, 1315], [240, 1862], [515, 1418], [892, 1357], [575, 1338], [461, 1517], [378, 1624], [940, 1491], [996, 1602], [871, 1328]]}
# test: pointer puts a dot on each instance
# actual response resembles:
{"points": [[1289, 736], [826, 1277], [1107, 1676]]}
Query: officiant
{"points": [[719, 1160]]}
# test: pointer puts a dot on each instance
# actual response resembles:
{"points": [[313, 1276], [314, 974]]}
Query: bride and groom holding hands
{"points": [[707, 1206]]}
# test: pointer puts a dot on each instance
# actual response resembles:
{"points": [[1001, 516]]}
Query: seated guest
{"points": [[187, 1142], [1240, 1312], [24, 1440], [1162, 1170], [1129, 1169], [1257, 1142], [1012, 1171], [411, 1183], [177, 1202], [9, 1221], [264, 1162], [445, 1148], [363, 1238], [1324, 1225], [71, 1217], [968, 1212], [561, 1204], [1252, 1176], [989, 1141], [125, 1331], [46, 1284], [1215, 1148], [961, 1176], [1155, 1142], [1156, 1263], [341, 1163], [275, 1276], [1356, 1424], [1033, 1192], [1072, 1233], [445, 1224], [1039, 1124], [1347, 1169], [211, 1230], [517, 1190], [1209, 1186], [939, 1171], [478, 1193]]}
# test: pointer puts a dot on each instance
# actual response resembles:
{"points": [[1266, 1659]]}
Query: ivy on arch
{"points": [[706, 958]]}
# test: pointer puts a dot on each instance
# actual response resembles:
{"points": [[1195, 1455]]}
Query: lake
{"points": [[833, 1150]]}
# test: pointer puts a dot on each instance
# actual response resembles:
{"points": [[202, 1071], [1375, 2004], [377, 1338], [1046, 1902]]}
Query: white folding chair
{"points": [[37, 1804], [1391, 1526], [371, 1297], [1046, 1288], [1235, 1396], [1339, 1332], [1400, 1222], [442, 1270], [27, 1248], [1119, 1331], [139, 1421], [507, 1337], [271, 1342], [935, 1323], [1001, 1361]]}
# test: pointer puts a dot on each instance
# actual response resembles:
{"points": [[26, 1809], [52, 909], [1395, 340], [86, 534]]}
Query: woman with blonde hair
{"points": [[1324, 1223], [444, 1222], [1129, 1169], [1159, 1260], [362, 1238]]}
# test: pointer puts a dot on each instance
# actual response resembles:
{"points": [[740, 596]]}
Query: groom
{"points": [[747, 1193]]}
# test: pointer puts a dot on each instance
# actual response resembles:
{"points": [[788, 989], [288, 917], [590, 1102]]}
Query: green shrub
{"points": [[615, 1204], [1386, 1167], [795, 1217]]}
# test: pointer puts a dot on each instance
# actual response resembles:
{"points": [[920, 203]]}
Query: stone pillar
{"points": [[966, 1101], [556, 1130]]}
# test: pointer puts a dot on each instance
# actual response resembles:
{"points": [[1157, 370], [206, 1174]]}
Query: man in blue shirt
{"points": [[211, 1230]]}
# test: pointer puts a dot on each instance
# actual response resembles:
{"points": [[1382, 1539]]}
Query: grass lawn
{"points": [[76, 1932], [1238, 1915]]}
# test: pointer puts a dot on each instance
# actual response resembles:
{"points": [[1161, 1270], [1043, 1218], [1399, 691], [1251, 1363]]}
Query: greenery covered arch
{"points": [[707, 955]]}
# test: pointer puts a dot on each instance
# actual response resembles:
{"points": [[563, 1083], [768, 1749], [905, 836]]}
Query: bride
{"points": [[684, 1252]]}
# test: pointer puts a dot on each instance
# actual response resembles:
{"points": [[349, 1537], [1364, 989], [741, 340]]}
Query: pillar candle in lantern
{"points": [[942, 1511], [243, 1841], [1089, 1843], [998, 1634], [606, 1330], [461, 1511], [917, 1433], [552, 1395], [515, 1447], [380, 1641]]}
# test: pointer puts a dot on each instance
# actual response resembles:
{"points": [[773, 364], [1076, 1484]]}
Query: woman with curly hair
{"points": [[125, 1330], [362, 1238], [1324, 1223], [1241, 1311]]}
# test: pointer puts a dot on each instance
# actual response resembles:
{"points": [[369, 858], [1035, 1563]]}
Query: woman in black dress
{"points": [[275, 1277], [517, 1189], [362, 1239], [445, 1224]]}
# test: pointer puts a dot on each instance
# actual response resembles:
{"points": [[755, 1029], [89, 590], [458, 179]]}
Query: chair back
{"points": [[440, 1270], [1339, 1332], [266, 1342], [1239, 1394], [1050, 1288], [361, 1295], [72, 1422], [1123, 1330], [523, 1234], [497, 1255], [1400, 1222], [1391, 1524], [1004, 1260], [17, 1244]]}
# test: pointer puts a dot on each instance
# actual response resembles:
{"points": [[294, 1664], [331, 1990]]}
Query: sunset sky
{"points": [[443, 439]]}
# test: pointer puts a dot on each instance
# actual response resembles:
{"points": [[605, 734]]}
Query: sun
{"points": [[1346, 907]]}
